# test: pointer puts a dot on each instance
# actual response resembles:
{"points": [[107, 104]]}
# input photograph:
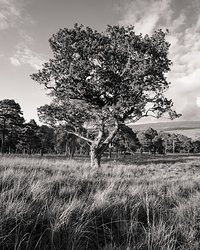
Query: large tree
{"points": [[30, 137], [99, 81], [11, 120]]}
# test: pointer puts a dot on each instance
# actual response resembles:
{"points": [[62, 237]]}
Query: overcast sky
{"points": [[26, 26]]}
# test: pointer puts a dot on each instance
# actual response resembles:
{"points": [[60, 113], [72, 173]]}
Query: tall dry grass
{"points": [[59, 204]]}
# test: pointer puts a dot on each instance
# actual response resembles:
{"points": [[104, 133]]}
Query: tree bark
{"points": [[98, 147], [95, 157]]}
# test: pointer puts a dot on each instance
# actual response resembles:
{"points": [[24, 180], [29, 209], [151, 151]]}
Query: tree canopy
{"points": [[102, 80]]}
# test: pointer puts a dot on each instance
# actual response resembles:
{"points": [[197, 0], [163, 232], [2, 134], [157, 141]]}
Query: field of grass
{"points": [[148, 204]]}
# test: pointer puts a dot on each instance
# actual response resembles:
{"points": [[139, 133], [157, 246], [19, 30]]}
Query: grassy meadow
{"points": [[137, 204]]}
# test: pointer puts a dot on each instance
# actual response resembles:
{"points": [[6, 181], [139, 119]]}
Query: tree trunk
{"points": [[3, 138], [95, 157], [72, 150], [30, 149], [110, 153], [66, 149], [98, 145], [97, 148], [173, 147], [3, 142], [41, 152]]}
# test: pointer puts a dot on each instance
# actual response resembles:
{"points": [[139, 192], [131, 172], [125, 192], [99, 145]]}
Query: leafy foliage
{"points": [[126, 140]]}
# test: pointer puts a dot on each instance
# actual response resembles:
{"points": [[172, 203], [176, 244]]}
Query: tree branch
{"points": [[48, 87], [127, 66], [80, 136]]}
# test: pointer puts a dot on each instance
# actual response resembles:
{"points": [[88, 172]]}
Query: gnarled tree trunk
{"points": [[99, 144], [98, 147]]}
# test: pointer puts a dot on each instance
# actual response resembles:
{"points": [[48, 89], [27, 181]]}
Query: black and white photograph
{"points": [[99, 124]]}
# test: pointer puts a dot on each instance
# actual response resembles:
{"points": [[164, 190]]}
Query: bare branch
{"points": [[80, 136]]}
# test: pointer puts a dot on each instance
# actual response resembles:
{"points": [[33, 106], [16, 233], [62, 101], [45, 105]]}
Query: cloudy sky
{"points": [[26, 26]]}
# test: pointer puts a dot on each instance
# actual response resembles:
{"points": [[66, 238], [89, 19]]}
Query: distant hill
{"points": [[188, 128]]}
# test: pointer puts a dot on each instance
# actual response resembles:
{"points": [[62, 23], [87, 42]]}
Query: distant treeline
{"points": [[18, 136]]}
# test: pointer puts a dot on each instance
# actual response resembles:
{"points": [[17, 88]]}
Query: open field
{"points": [[139, 204]]}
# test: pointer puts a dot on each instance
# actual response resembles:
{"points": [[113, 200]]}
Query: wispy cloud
{"points": [[184, 25], [145, 15], [26, 38], [11, 13], [25, 56]]}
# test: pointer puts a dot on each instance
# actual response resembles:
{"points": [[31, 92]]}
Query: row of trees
{"points": [[17, 136], [153, 142], [162, 142]]}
